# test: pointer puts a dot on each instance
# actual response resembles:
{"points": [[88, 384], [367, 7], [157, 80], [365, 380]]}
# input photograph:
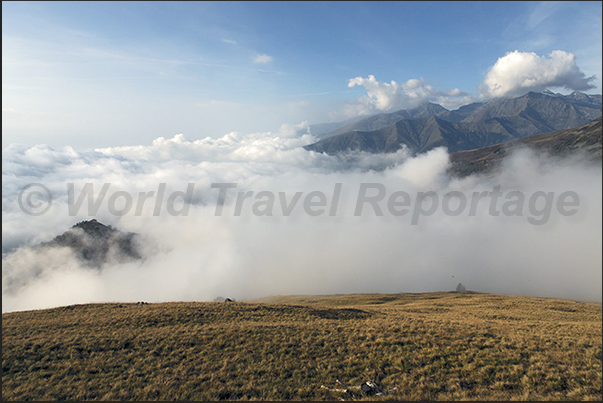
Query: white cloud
{"points": [[386, 97], [517, 73], [380, 96], [417, 92], [201, 256], [514, 74], [229, 41], [262, 59]]}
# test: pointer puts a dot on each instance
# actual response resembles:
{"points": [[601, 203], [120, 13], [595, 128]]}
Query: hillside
{"points": [[447, 345], [470, 127], [585, 140], [382, 120], [419, 135]]}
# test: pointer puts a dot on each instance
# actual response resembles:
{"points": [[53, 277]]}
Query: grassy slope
{"points": [[431, 346]]}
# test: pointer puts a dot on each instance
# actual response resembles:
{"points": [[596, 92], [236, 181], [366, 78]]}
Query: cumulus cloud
{"points": [[380, 96], [262, 59], [517, 73], [385, 97], [203, 255], [512, 75]]}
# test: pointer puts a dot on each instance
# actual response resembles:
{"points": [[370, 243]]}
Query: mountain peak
{"points": [[471, 126], [534, 94], [95, 243], [95, 228]]}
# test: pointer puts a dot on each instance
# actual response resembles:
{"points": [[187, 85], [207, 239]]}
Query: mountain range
{"points": [[584, 141], [470, 127]]}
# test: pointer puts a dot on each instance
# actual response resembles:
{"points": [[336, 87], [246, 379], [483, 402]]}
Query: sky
{"points": [[108, 74]]}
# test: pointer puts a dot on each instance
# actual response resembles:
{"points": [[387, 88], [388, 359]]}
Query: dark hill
{"points": [[95, 243], [585, 139]]}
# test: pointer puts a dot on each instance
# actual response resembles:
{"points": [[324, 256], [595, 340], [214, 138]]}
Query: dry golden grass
{"points": [[433, 346]]}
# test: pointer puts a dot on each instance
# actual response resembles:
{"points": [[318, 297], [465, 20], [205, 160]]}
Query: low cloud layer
{"points": [[203, 255], [517, 73]]}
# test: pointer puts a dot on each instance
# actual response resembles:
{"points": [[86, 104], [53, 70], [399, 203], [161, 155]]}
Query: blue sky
{"points": [[98, 74]]}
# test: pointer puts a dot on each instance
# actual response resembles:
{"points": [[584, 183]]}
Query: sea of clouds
{"points": [[202, 255]]}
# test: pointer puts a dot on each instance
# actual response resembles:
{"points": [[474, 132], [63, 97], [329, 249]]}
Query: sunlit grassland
{"points": [[447, 346]]}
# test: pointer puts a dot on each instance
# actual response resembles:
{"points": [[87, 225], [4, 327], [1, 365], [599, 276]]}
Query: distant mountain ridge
{"points": [[381, 120], [469, 127]]}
